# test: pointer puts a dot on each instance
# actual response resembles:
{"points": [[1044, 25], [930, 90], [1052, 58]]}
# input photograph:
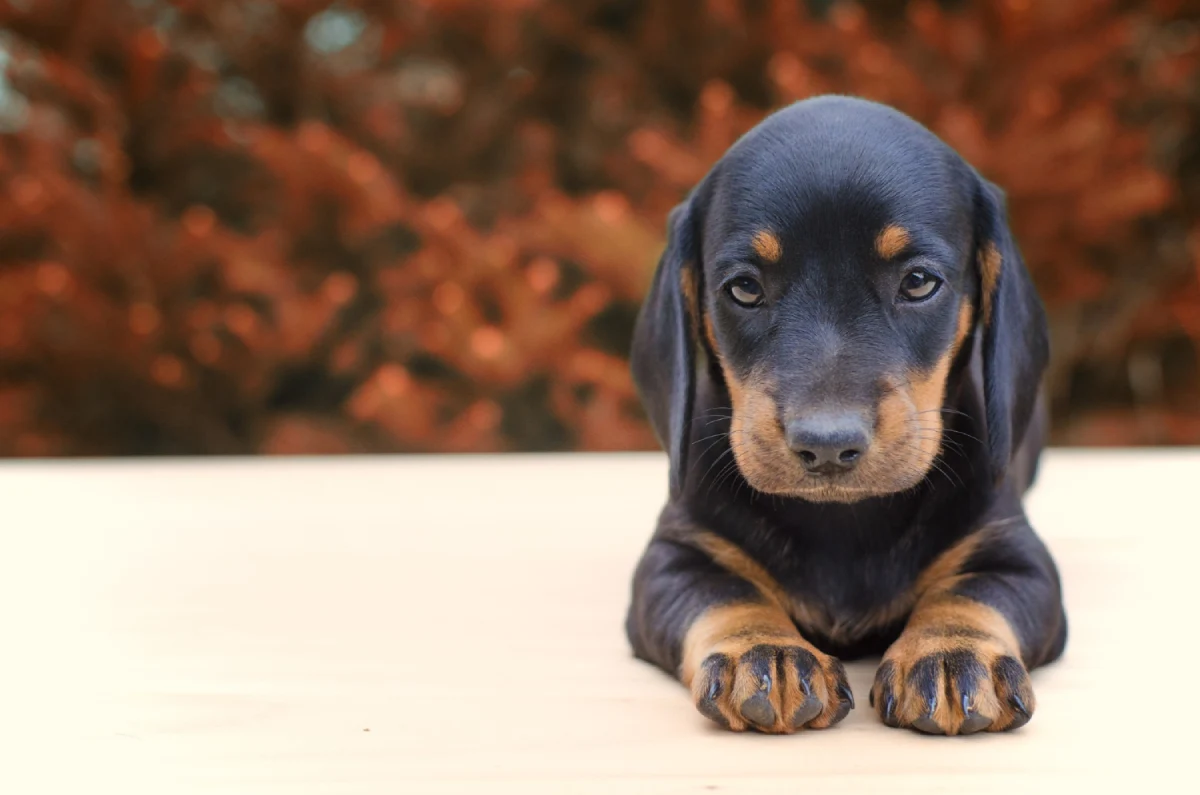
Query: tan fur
{"points": [[915, 400], [942, 573], [691, 306], [710, 334], [891, 241], [733, 631], [940, 622], [966, 314], [990, 262], [734, 559], [754, 429], [927, 390], [730, 557], [766, 245], [907, 437], [937, 627], [943, 622], [846, 629]]}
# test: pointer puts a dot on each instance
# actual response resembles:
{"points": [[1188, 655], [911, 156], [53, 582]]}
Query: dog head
{"points": [[828, 276]]}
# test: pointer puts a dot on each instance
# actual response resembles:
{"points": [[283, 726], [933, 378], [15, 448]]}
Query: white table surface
{"points": [[433, 625]]}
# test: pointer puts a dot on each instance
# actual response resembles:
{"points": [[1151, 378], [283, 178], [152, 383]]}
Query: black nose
{"points": [[828, 443]]}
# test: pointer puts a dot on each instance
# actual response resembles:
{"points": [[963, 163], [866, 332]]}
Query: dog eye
{"points": [[745, 291], [919, 285]]}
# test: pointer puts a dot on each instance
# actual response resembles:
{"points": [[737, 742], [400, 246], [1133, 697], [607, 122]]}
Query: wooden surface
{"points": [[455, 625]]}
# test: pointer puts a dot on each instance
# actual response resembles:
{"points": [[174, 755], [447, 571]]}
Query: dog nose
{"points": [[828, 444]]}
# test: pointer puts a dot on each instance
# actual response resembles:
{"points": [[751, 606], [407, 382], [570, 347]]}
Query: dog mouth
{"points": [[830, 488], [773, 469], [828, 456]]}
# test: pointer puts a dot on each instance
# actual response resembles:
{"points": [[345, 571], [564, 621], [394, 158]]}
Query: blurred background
{"points": [[303, 227]]}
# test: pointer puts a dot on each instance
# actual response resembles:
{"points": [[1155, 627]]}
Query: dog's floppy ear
{"points": [[665, 339], [1016, 344]]}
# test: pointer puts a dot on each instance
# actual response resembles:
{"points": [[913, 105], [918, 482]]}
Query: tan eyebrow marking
{"points": [[891, 241], [767, 245]]}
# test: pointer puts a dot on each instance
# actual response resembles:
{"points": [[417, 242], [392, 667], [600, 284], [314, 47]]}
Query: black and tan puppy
{"points": [[841, 353]]}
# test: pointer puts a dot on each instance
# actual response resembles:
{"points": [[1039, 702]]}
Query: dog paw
{"points": [[771, 688], [937, 688]]}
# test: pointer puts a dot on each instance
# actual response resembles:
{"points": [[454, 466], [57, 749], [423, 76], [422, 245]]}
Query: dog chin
{"points": [[829, 492], [832, 493], [825, 490]]}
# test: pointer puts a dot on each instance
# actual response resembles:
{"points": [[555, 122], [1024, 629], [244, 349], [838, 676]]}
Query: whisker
{"points": [[711, 445], [731, 469], [946, 473], [945, 468], [706, 438], [948, 444], [715, 461], [712, 416], [733, 444], [957, 432], [926, 428], [725, 472], [941, 466], [945, 411]]}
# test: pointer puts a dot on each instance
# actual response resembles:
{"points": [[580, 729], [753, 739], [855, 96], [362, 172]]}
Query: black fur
{"points": [[826, 175]]}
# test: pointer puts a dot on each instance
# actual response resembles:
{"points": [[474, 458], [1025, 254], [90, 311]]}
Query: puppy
{"points": [[841, 353]]}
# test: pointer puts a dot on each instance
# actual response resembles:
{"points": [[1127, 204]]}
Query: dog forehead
{"points": [[829, 166], [781, 226], [836, 131]]}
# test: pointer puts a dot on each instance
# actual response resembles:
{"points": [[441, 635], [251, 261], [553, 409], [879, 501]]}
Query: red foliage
{"points": [[293, 227]]}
